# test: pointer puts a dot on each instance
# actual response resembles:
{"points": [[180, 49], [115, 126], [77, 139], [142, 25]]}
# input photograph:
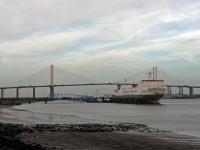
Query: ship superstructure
{"points": [[149, 90]]}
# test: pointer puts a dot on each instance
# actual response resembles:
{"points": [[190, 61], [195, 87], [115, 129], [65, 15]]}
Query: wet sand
{"points": [[91, 136]]}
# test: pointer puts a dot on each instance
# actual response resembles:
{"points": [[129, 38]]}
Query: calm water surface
{"points": [[177, 115]]}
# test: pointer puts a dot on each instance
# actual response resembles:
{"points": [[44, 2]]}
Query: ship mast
{"points": [[155, 73], [149, 74]]}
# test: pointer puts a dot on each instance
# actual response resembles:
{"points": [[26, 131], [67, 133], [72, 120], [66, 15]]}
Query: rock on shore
{"points": [[94, 127], [86, 136], [9, 131]]}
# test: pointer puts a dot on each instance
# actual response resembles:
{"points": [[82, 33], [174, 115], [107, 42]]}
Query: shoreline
{"points": [[91, 136]]}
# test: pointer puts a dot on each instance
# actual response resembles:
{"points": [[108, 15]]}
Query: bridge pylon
{"points": [[51, 81]]}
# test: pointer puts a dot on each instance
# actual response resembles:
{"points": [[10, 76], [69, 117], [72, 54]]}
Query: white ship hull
{"points": [[149, 90]]}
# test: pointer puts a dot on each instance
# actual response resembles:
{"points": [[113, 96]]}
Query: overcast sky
{"points": [[93, 38]]}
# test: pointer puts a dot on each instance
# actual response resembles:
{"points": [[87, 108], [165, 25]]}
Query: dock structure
{"points": [[103, 97]]}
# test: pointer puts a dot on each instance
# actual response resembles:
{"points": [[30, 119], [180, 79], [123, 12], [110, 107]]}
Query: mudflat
{"points": [[102, 141], [91, 136]]}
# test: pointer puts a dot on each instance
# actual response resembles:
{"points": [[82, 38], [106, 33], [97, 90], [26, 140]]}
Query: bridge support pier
{"points": [[181, 90], [17, 93], [191, 91], [51, 92], [2, 93], [33, 92], [169, 90]]}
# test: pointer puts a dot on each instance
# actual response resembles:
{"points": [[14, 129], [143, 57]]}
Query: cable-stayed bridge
{"points": [[53, 77], [48, 78]]}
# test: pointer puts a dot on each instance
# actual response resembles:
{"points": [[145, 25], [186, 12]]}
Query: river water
{"points": [[177, 115]]}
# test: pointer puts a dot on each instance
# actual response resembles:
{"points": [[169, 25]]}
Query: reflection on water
{"points": [[179, 115]]}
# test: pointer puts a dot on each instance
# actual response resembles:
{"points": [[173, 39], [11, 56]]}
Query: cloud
{"points": [[25, 16], [189, 56], [95, 34]]}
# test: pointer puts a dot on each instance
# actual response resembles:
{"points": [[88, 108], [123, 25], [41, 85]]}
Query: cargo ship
{"points": [[149, 90]]}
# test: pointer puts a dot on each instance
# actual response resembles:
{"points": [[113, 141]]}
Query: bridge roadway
{"points": [[191, 93], [31, 86], [52, 87], [191, 89], [38, 86]]}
